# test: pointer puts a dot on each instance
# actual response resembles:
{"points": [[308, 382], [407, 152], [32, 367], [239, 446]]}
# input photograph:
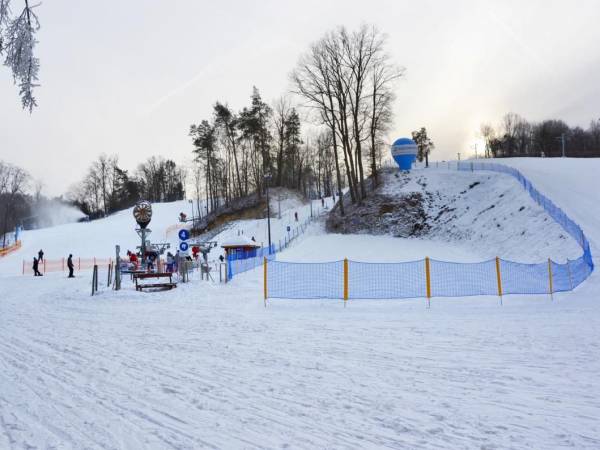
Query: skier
{"points": [[176, 261], [296, 216], [36, 272], [40, 256], [169, 266], [323, 202], [221, 258], [70, 266]]}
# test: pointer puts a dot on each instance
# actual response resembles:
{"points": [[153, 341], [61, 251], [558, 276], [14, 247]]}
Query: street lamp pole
{"points": [[192, 203], [562, 142], [267, 179]]}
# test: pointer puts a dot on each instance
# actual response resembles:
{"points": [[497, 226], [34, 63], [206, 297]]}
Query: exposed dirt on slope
{"points": [[400, 215]]}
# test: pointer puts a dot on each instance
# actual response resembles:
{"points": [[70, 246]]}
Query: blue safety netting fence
{"points": [[432, 278], [243, 261], [240, 262]]}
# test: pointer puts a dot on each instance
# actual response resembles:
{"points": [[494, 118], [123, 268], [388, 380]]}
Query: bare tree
{"points": [[347, 78], [488, 134]]}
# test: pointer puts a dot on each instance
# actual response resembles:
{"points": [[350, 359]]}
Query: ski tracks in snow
{"points": [[210, 367]]}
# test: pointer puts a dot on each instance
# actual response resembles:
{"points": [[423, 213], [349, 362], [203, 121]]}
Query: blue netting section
{"points": [[243, 261], [386, 280], [519, 278], [298, 280], [447, 279], [553, 211]]}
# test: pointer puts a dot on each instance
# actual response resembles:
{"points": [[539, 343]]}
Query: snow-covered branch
{"points": [[17, 43]]}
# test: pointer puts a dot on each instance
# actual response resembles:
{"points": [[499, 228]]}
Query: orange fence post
{"points": [[345, 279], [499, 278], [428, 281]]}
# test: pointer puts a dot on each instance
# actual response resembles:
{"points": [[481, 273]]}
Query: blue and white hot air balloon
{"points": [[404, 152]]}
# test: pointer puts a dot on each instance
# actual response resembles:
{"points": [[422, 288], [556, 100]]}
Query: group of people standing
{"points": [[40, 260]]}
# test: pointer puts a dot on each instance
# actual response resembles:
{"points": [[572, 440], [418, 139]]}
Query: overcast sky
{"points": [[130, 77]]}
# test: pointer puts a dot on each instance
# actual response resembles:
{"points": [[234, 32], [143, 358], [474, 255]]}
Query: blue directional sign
{"points": [[183, 246], [184, 235]]}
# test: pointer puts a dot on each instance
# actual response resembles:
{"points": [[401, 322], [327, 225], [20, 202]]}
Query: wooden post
{"points": [[23, 267], [44, 266], [345, 279], [118, 267], [63, 264], [550, 278], [109, 280], [94, 280], [79, 263], [265, 291], [499, 278], [428, 281]]}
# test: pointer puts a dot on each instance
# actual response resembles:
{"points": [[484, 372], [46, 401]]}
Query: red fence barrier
{"points": [[11, 248], [60, 265]]}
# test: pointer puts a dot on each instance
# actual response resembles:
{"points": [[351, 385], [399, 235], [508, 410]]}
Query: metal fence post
{"points": [[94, 280], [550, 278], [265, 291], [569, 271]]}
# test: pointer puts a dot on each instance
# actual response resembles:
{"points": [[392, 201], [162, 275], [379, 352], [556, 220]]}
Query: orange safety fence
{"points": [[11, 248], [60, 265]]}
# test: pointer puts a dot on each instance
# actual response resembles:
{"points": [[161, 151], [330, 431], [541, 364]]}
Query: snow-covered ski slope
{"points": [[99, 237], [573, 184], [208, 366]]}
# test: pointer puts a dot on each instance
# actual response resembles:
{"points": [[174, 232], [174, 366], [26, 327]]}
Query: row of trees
{"points": [[345, 82], [23, 204], [13, 184], [515, 136], [239, 153], [107, 187]]}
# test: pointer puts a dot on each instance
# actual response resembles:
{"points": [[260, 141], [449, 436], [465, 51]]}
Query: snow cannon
{"points": [[404, 152]]}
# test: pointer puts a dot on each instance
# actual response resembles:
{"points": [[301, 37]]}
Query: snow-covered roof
{"points": [[239, 241]]}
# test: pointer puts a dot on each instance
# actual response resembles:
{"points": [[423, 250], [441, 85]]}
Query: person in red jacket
{"points": [[133, 259]]}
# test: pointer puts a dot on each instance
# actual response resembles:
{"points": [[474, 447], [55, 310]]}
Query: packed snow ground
{"points": [[207, 365]]}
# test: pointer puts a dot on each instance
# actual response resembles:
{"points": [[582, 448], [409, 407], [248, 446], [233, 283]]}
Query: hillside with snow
{"points": [[207, 365]]}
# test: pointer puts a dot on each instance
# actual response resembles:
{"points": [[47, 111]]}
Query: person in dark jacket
{"points": [[70, 266], [40, 256], [36, 272]]}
